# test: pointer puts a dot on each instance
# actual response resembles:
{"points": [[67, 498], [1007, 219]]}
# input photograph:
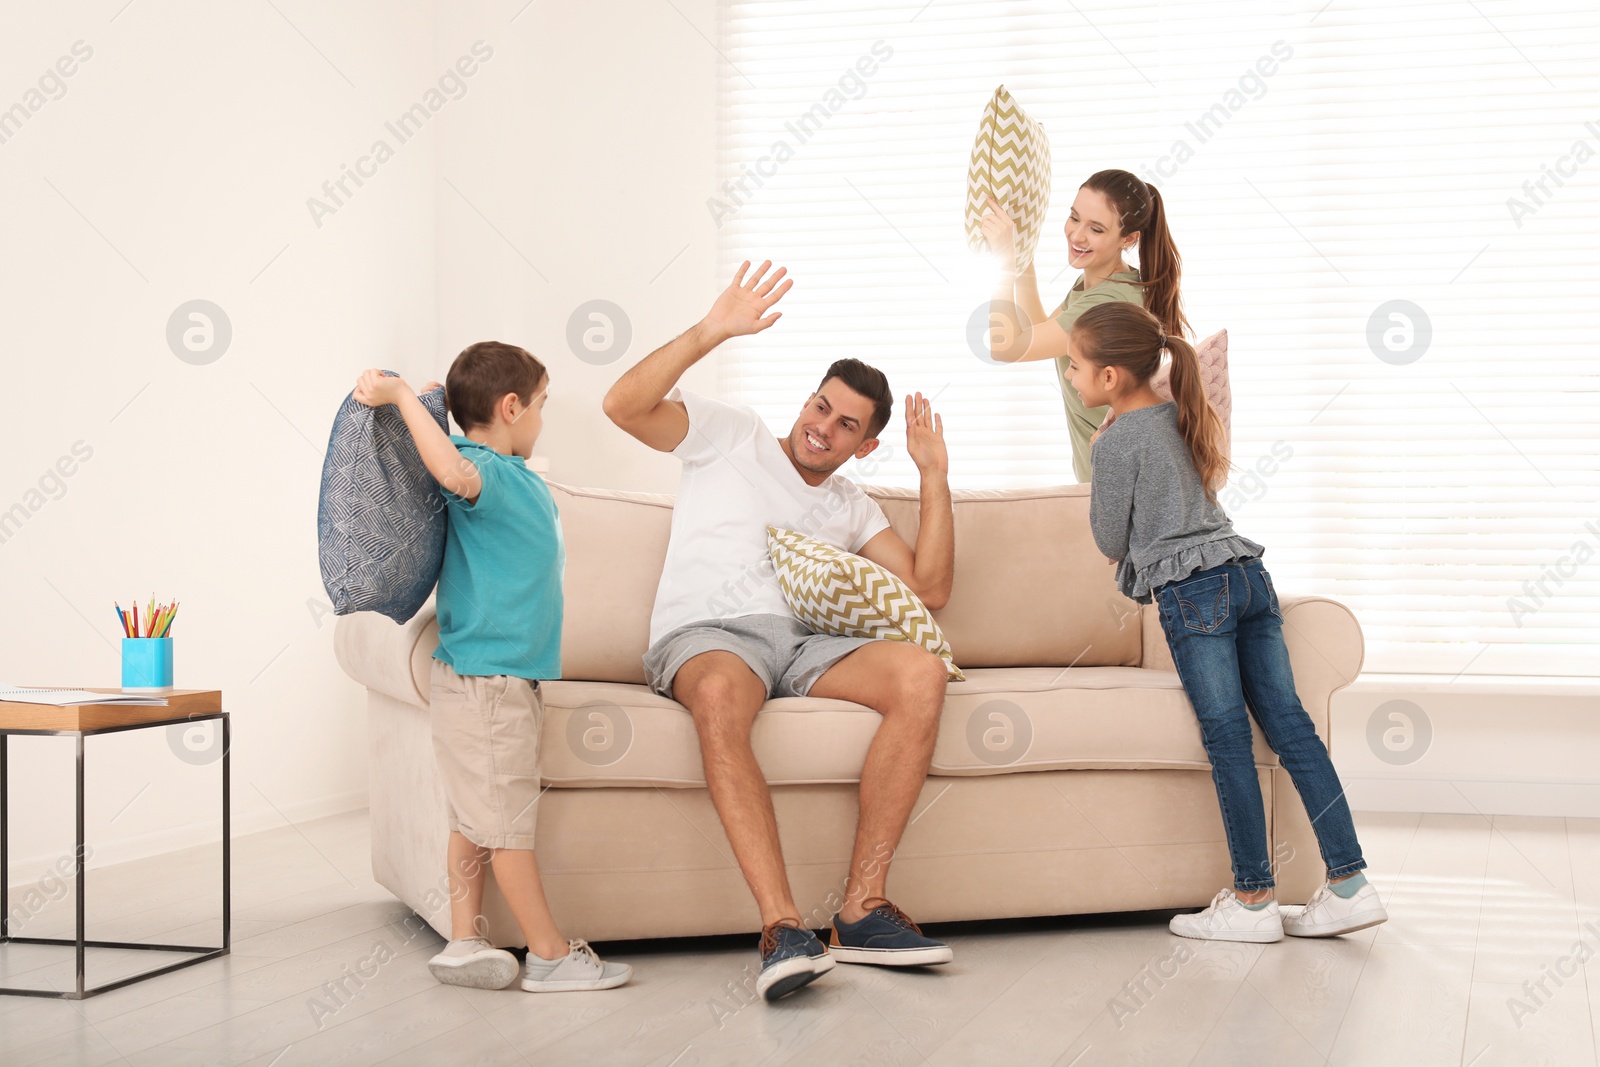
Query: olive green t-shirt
{"points": [[1082, 421]]}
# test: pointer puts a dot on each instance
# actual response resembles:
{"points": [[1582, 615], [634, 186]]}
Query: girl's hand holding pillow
{"points": [[1111, 416]]}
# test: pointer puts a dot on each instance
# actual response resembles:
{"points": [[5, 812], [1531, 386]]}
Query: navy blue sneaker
{"points": [[791, 956], [887, 937]]}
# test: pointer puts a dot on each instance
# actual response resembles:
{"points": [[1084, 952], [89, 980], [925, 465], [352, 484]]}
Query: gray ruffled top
{"points": [[1149, 511]]}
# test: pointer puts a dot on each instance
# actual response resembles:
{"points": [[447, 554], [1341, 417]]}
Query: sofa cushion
{"points": [[1031, 589], [995, 722], [616, 547], [1007, 540], [846, 595]]}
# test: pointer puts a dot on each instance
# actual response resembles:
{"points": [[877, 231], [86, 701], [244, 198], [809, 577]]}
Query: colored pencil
{"points": [[157, 621]]}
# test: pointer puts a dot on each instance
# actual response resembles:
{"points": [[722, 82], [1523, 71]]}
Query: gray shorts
{"points": [[783, 653]]}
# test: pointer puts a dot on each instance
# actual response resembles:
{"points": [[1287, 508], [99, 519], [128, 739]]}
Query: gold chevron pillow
{"points": [[840, 593], [1010, 162]]}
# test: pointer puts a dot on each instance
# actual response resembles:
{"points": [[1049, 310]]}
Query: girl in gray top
{"points": [[1153, 508]]}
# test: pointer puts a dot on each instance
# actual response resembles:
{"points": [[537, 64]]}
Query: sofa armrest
{"points": [[380, 654], [1325, 649]]}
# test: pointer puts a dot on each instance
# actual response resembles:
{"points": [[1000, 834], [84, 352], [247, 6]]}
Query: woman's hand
{"points": [[1001, 233]]}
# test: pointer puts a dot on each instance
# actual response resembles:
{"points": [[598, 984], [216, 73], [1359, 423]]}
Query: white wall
{"points": [[190, 141], [177, 166], [591, 149]]}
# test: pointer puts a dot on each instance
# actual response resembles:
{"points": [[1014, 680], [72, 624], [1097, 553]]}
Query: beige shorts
{"points": [[486, 746]]}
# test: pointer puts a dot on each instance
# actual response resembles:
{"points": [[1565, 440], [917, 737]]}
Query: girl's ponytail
{"points": [[1142, 211], [1197, 419], [1126, 336]]}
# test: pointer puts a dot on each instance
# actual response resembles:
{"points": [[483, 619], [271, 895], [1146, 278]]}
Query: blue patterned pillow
{"points": [[381, 518]]}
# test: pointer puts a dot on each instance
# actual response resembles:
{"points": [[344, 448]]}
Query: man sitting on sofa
{"points": [[723, 639]]}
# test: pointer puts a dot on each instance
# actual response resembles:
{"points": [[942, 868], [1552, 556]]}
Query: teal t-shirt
{"points": [[500, 586]]}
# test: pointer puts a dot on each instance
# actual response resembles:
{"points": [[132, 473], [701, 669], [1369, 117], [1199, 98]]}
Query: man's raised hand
{"points": [[925, 435], [743, 306]]}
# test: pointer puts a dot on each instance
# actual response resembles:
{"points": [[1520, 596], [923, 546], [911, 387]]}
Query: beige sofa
{"points": [[1069, 776]]}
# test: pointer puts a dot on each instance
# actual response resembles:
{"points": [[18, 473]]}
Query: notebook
{"points": [[66, 698]]}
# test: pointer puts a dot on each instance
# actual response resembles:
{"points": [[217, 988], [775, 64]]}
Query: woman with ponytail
{"points": [[1113, 211], [1153, 509]]}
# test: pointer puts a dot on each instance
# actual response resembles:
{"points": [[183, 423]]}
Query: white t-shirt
{"points": [[737, 481]]}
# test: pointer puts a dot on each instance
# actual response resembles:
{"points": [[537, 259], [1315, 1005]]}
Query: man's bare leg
{"points": [[724, 695], [906, 685]]}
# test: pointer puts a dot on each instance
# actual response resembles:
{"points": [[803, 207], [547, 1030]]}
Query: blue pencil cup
{"points": [[147, 663]]}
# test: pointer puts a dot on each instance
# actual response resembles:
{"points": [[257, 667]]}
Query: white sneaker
{"points": [[578, 970], [1228, 920], [472, 961], [1327, 914]]}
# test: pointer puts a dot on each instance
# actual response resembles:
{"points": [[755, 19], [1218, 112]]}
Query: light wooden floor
{"points": [[1479, 908]]}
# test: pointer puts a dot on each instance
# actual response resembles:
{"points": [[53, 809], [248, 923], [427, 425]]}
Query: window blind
{"points": [[1392, 209]]}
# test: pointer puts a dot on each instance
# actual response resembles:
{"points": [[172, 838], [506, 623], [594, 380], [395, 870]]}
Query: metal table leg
{"points": [[82, 874], [227, 835], [81, 942], [5, 843]]}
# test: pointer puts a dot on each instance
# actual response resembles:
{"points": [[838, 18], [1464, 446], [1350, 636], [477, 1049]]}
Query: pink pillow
{"points": [[1213, 357]]}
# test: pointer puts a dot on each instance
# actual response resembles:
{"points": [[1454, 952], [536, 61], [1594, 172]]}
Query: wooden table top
{"points": [[181, 704]]}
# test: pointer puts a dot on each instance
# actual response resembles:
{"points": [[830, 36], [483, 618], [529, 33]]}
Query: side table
{"points": [[184, 706]]}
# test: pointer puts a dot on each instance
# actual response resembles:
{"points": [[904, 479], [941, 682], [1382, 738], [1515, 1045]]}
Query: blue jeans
{"points": [[1225, 630]]}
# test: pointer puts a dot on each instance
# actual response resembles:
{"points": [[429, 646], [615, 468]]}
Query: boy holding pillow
{"points": [[499, 605]]}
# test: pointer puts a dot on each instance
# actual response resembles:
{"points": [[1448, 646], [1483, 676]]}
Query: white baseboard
{"points": [[25, 870], [1480, 796], [1484, 746]]}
